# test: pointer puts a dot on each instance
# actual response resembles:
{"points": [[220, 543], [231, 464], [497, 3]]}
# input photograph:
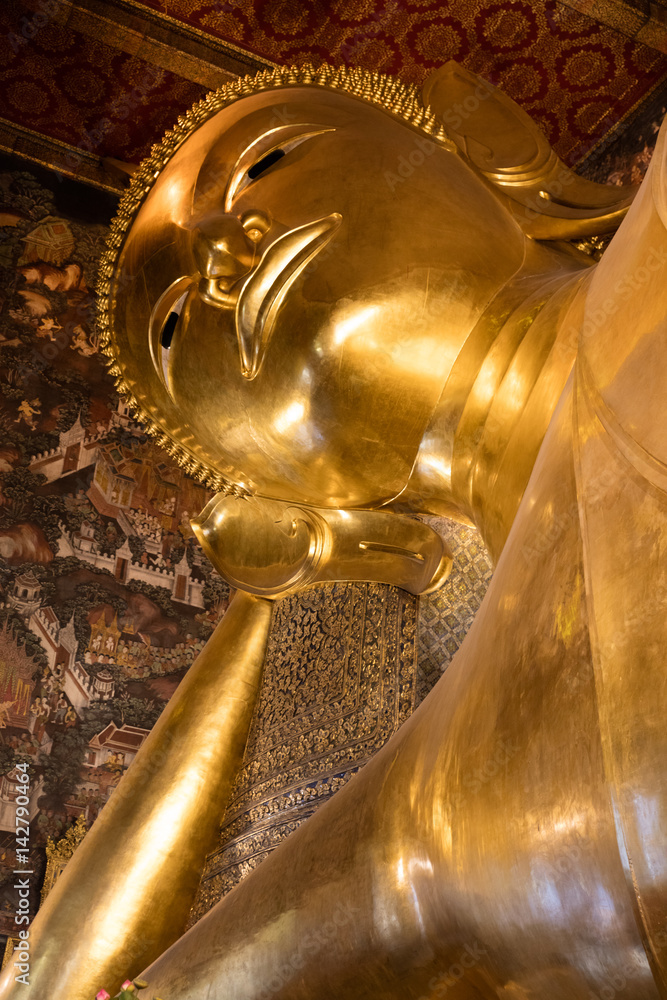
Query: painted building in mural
{"points": [[105, 598]]}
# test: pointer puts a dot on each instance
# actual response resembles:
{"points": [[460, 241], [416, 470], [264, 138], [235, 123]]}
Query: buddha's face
{"points": [[293, 292]]}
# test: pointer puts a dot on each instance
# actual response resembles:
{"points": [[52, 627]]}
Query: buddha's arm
{"points": [[624, 326], [622, 480], [127, 892], [478, 847]]}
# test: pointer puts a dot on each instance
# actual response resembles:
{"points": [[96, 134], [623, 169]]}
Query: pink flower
{"points": [[103, 995], [128, 984]]}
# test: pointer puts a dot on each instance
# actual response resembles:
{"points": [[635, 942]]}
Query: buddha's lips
{"points": [[263, 292]]}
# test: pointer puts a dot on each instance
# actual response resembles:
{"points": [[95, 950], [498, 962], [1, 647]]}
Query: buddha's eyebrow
{"points": [[284, 137]]}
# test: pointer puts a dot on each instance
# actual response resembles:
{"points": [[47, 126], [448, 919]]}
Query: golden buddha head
{"points": [[282, 308]]}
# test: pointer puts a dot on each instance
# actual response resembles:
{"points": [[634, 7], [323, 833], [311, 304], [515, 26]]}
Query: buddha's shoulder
{"points": [[659, 180], [623, 338]]}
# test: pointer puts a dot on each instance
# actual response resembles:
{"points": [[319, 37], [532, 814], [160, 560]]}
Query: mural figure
{"points": [[28, 410]]}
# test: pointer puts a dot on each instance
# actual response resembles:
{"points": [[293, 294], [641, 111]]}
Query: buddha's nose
{"points": [[225, 250]]}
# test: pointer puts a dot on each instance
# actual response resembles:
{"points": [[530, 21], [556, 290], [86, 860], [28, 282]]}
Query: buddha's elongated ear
{"points": [[549, 201]]}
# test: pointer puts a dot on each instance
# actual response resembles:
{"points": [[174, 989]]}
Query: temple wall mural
{"points": [[105, 597]]}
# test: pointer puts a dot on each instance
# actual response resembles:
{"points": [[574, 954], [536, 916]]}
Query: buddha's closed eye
{"points": [[164, 322], [262, 154], [266, 162]]}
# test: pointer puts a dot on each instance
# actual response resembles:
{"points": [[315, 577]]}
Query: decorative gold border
{"points": [[10, 943], [620, 127], [383, 91], [58, 854], [17, 140], [183, 28], [161, 40]]}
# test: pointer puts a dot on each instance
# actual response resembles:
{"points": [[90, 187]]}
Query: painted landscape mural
{"points": [[105, 597]]}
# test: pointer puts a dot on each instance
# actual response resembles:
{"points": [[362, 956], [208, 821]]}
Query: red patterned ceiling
{"points": [[67, 86], [573, 75]]}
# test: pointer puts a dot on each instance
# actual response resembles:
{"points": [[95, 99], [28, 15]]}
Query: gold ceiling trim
{"points": [[387, 93], [157, 38], [619, 127], [170, 55], [641, 23], [250, 59], [17, 140]]}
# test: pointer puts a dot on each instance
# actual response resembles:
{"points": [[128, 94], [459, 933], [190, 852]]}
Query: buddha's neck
{"points": [[480, 447]]}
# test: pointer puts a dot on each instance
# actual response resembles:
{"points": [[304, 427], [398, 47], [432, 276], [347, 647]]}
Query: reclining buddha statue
{"points": [[345, 305]]}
